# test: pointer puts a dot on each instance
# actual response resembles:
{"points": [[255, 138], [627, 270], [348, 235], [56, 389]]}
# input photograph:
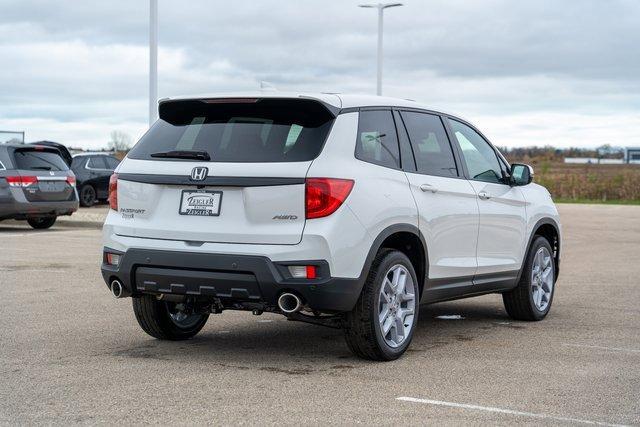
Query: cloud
{"points": [[74, 71]]}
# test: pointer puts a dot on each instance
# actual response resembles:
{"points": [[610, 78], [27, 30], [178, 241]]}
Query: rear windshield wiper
{"points": [[183, 154], [42, 168]]}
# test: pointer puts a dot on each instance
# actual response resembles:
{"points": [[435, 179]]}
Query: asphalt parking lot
{"points": [[70, 353]]}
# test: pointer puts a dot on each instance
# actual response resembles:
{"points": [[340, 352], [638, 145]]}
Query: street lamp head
{"points": [[380, 5]]}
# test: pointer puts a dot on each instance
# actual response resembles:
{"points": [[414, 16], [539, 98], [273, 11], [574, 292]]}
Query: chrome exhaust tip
{"points": [[117, 290], [289, 303]]}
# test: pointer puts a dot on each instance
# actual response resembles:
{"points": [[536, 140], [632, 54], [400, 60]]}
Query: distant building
{"points": [[632, 155]]}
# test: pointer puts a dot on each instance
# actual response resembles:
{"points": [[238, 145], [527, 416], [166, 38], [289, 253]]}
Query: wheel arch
{"points": [[407, 239], [550, 230]]}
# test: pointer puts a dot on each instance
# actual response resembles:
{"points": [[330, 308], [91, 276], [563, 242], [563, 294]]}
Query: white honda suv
{"points": [[343, 211]]}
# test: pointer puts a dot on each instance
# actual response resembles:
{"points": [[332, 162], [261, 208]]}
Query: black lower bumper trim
{"points": [[234, 278]]}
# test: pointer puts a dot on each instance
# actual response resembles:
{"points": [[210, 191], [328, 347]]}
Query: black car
{"points": [[92, 172]]}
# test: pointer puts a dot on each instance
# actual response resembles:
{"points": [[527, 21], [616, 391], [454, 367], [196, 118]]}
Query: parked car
{"points": [[344, 211], [36, 184], [92, 171]]}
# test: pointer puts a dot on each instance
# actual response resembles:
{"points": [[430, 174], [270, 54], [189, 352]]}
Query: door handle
{"points": [[484, 195], [428, 187]]}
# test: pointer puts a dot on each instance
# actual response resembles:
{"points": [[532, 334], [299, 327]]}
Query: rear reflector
{"points": [[323, 196], [311, 272], [113, 192], [303, 271], [21, 181], [112, 259]]}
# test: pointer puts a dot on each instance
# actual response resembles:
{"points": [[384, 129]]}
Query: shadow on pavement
{"points": [[299, 349]]}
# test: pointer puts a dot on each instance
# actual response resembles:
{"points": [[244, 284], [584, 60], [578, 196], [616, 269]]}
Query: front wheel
{"points": [[532, 298], [381, 325], [41, 223], [167, 320]]}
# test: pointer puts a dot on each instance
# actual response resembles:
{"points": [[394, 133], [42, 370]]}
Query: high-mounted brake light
{"points": [[230, 100], [21, 181], [113, 192], [323, 196]]}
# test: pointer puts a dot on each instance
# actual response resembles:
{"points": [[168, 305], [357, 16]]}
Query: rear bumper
{"points": [[235, 279], [12, 209]]}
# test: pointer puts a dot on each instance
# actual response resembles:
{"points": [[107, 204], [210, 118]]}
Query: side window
{"points": [[112, 162], [431, 146], [480, 158], [96, 162], [377, 140], [406, 152]]}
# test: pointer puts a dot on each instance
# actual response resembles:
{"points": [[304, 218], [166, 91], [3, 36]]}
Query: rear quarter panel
{"points": [[380, 197]]}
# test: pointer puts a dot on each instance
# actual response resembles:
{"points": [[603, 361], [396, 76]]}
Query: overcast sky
{"points": [[564, 73]]}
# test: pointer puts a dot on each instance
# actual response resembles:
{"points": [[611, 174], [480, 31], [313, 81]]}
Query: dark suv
{"points": [[92, 171], [36, 184]]}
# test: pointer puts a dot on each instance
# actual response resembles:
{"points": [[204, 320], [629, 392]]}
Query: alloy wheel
{"points": [[181, 315], [397, 305], [542, 276]]}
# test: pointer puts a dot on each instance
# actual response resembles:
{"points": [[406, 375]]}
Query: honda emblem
{"points": [[199, 173]]}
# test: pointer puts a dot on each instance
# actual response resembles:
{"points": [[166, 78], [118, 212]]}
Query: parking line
{"points": [[599, 347], [503, 411]]}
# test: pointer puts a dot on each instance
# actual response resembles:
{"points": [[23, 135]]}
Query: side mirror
{"points": [[521, 174]]}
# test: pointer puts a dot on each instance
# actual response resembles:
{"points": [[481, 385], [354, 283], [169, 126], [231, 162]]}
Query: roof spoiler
{"points": [[166, 102]]}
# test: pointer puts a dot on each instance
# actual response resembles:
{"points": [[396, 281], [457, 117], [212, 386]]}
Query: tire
{"points": [[41, 223], [529, 300], [363, 330], [87, 196], [154, 318]]}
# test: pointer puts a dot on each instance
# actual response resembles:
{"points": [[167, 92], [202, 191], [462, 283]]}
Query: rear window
{"points": [[38, 160], [264, 130]]}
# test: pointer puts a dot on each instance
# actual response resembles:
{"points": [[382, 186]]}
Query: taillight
{"points": [[113, 192], [21, 181], [323, 196], [71, 180]]}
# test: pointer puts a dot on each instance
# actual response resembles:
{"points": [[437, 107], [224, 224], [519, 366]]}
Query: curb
{"points": [[80, 224]]}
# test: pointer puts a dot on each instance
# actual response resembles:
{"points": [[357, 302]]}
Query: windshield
{"points": [[264, 130], [39, 160]]}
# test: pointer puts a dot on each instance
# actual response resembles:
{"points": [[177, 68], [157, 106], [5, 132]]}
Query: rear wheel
{"points": [[41, 223], [167, 320], [532, 298], [381, 325], [87, 196]]}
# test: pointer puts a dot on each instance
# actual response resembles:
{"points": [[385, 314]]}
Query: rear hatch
{"points": [[42, 174], [223, 170]]}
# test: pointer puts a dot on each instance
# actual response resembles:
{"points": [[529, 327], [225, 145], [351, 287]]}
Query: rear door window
{"points": [[431, 146], [377, 139], [96, 162], [112, 162], [38, 160], [253, 130]]}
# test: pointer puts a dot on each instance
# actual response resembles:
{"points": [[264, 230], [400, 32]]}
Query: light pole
{"points": [[153, 61], [381, 7]]}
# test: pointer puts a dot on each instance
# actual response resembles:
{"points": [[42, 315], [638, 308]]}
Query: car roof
{"points": [[336, 100]]}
